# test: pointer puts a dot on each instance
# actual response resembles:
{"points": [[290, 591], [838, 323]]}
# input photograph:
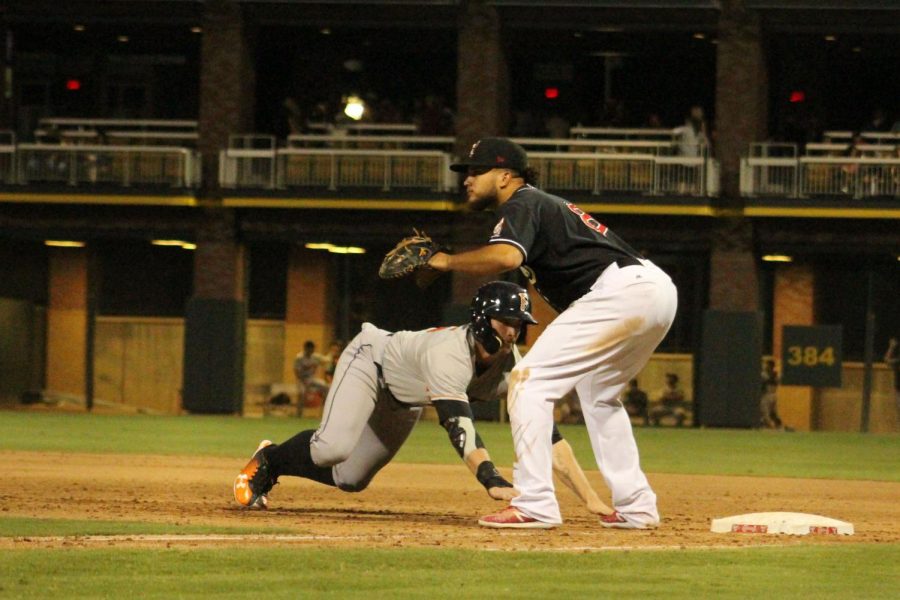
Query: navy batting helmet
{"points": [[498, 300]]}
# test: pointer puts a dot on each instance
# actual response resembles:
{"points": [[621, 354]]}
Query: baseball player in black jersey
{"points": [[614, 308]]}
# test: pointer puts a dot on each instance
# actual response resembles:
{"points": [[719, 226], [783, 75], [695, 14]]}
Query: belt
{"points": [[627, 261], [387, 390]]}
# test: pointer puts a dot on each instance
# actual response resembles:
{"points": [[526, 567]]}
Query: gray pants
{"points": [[362, 426]]}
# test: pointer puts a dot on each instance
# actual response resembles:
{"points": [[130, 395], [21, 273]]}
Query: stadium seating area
{"points": [[393, 156]]}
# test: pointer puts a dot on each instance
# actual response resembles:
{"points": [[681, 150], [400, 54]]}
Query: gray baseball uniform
{"points": [[381, 384]]}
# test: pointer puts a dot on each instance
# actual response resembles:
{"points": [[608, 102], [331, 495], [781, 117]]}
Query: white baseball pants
{"points": [[595, 346]]}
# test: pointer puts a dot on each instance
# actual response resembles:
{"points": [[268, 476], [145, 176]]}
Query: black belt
{"points": [[387, 389], [627, 261]]}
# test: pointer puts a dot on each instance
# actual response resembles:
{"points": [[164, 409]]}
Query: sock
{"points": [[294, 457]]}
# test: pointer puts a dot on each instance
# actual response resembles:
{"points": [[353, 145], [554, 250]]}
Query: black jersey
{"points": [[565, 249]]}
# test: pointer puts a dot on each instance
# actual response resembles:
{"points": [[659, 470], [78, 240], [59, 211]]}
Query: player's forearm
{"points": [[456, 417], [487, 260], [474, 459], [567, 469]]}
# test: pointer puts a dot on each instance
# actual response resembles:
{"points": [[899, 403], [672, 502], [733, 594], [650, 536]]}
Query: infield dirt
{"points": [[409, 505]]}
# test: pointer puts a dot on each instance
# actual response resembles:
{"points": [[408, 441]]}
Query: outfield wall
{"points": [[138, 364]]}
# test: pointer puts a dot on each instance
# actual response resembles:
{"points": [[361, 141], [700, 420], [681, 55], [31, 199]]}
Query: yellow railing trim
{"points": [[180, 200]]}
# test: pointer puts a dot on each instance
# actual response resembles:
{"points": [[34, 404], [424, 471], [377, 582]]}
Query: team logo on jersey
{"points": [[498, 227], [587, 219]]}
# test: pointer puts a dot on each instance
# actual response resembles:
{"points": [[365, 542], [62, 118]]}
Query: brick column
{"points": [[741, 92], [482, 85], [227, 82], [733, 278], [215, 320]]}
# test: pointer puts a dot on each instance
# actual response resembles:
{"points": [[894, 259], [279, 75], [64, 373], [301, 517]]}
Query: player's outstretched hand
{"points": [[503, 493]]}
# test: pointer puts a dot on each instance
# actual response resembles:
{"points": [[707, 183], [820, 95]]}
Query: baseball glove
{"points": [[410, 257]]}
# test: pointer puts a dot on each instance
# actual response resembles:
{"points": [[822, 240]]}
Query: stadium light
{"points": [[334, 249], [347, 250], [64, 243], [355, 108], [318, 246], [173, 243], [778, 258]]}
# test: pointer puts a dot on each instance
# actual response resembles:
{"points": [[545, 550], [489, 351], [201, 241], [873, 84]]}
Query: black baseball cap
{"points": [[494, 152]]}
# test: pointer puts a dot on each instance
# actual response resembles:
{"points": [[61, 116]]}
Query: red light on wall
{"points": [[797, 96], [551, 93], [73, 85]]}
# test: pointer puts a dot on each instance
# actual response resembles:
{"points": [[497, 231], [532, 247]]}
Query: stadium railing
{"points": [[76, 123], [364, 141], [142, 132], [125, 166], [403, 162], [874, 172], [625, 133], [364, 128]]}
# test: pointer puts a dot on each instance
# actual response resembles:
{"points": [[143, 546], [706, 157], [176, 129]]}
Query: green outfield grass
{"points": [[663, 450], [25, 527], [805, 571], [857, 571]]}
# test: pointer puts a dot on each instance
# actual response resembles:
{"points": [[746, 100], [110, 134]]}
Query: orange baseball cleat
{"points": [[255, 480]]}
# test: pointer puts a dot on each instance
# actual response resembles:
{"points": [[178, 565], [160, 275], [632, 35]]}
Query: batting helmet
{"points": [[498, 300]]}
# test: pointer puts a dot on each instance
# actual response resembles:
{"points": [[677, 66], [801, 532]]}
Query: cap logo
{"points": [[500, 159], [474, 146]]}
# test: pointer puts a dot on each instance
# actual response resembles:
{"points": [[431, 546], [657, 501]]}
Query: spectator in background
{"points": [[670, 402], [525, 124], [612, 114], [636, 401], [387, 112], [293, 117], [306, 367], [692, 136], [693, 142], [895, 128], [892, 360], [556, 126], [653, 121], [878, 122], [768, 401], [434, 117]]}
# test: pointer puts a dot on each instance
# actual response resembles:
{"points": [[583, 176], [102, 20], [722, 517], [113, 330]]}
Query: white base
{"points": [[782, 522]]}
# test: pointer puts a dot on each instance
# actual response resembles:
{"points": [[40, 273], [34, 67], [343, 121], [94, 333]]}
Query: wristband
{"points": [[489, 476]]}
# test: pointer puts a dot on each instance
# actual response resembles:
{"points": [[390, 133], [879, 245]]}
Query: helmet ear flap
{"points": [[485, 334]]}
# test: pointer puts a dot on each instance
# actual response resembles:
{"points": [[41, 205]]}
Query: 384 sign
{"points": [[811, 355]]}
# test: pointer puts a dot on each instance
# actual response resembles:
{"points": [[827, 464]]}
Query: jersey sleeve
{"points": [[447, 373], [517, 225]]}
